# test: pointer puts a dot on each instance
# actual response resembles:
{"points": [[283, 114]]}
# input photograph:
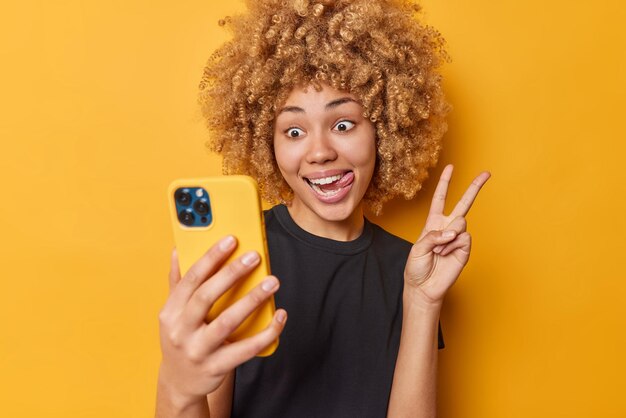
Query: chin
{"points": [[337, 212]]}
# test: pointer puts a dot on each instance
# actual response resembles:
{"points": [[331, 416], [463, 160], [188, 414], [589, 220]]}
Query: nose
{"points": [[321, 149]]}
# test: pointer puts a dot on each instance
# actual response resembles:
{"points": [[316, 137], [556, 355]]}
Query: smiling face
{"points": [[326, 152]]}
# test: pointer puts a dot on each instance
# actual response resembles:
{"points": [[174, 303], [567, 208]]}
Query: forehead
{"points": [[309, 96]]}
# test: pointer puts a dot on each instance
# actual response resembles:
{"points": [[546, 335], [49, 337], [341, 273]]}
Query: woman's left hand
{"points": [[436, 259]]}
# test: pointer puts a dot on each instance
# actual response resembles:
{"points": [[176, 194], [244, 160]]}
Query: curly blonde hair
{"points": [[373, 49]]}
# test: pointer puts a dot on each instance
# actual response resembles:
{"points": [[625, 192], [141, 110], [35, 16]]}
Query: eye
{"points": [[294, 132], [344, 125]]}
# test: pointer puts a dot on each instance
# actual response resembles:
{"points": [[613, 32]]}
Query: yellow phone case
{"points": [[236, 210]]}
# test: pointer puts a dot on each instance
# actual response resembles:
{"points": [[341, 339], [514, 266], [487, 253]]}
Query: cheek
{"points": [[364, 154], [370, 162], [364, 159], [286, 158]]}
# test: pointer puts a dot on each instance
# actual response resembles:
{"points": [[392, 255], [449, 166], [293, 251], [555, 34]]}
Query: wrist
{"points": [[176, 402], [414, 298]]}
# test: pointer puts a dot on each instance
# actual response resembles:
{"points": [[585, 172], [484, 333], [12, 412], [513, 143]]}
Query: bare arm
{"points": [[170, 405], [215, 405], [221, 401], [433, 266], [414, 387]]}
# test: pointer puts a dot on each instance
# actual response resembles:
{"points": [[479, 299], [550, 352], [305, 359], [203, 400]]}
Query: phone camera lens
{"points": [[183, 197], [201, 206], [186, 217]]}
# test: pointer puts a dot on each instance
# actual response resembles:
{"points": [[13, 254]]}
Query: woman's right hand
{"points": [[196, 356]]}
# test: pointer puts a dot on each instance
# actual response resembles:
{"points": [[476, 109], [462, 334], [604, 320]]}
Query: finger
{"points": [[232, 355], [429, 241], [229, 320], [203, 299], [464, 205], [459, 225], [206, 266], [439, 198], [174, 275], [463, 242]]}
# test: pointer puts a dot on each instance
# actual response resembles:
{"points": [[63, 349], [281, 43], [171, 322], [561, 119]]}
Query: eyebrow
{"points": [[330, 105], [338, 102]]}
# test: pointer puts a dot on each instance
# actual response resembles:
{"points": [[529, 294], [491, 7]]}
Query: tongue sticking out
{"points": [[336, 185]]}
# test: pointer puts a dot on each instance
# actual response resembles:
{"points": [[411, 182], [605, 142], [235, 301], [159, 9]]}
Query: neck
{"points": [[347, 229]]}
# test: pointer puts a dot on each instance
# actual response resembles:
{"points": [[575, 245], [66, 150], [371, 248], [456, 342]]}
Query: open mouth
{"points": [[331, 185]]}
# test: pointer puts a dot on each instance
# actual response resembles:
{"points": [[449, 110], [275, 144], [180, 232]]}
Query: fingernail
{"points": [[448, 234], [250, 258], [268, 285], [281, 316], [227, 243], [437, 249]]}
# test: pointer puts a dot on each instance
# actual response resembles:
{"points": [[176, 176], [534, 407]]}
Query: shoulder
{"points": [[389, 242], [269, 214], [272, 221], [391, 250]]}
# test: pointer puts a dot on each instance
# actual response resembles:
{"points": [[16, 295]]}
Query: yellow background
{"points": [[98, 115]]}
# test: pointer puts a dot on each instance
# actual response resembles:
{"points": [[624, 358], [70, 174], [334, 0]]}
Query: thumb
{"points": [[429, 241], [174, 276]]}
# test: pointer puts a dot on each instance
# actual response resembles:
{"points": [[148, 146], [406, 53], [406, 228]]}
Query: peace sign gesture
{"points": [[443, 248]]}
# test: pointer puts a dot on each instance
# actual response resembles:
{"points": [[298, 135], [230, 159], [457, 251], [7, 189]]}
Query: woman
{"points": [[332, 106]]}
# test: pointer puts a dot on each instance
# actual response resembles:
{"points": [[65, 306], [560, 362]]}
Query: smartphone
{"points": [[204, 210]]}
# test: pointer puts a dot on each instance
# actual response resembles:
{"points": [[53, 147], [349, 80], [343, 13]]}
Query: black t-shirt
{"points": [[338, 351]]}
